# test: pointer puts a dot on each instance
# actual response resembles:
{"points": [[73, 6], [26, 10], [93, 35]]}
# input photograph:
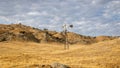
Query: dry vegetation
{"points": [[25, 47], [28, 55], [20, 32]]}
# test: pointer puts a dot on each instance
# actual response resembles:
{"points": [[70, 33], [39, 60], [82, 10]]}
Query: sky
{"points": [[89, 17]]}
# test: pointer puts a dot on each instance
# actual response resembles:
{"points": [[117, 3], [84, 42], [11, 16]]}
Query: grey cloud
{"points": [[90, 17]]}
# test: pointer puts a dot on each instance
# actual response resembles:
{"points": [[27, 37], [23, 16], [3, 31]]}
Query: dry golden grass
{"points": [[25, 54]]}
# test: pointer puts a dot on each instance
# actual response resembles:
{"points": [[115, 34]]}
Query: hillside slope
{"points": [[20, 32], [104, 54]]}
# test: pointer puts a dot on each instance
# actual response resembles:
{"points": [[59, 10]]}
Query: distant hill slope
{"points": [[20, 32]]}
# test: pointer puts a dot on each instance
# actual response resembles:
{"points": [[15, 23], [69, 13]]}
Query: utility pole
{"points": [[65, 27]]}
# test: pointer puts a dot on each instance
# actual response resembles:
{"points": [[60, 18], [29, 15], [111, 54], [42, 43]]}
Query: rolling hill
{"points": [[105, 54], [20, 32], [27, 47]]}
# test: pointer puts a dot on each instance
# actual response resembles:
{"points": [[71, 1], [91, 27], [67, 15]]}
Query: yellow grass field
{"points": [[27, 54]]}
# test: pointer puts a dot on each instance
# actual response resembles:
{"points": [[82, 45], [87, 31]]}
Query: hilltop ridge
{"points": [[20, 32]]}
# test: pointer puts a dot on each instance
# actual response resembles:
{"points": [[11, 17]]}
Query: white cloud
{"points": [[55, 20], [87, 15], [81, 23], [112, 8], [4, 18], [33, 13], [94, 1], [118, 23], [106, 15]]}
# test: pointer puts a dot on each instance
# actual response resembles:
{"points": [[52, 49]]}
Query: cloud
{"points": [[89, 17], [36, 13], [33, 13], [112, 9]]}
